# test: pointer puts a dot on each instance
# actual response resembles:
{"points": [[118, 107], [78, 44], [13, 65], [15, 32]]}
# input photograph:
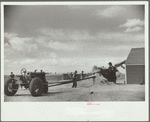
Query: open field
{"points": [[102, 91]]}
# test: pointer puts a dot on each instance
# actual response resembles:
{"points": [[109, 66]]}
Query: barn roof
{"points": [[136, 57]]}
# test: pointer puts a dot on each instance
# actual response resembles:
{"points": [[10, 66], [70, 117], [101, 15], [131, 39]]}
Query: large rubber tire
{"points": [[36, 87], [8, 90], [45, 89]]}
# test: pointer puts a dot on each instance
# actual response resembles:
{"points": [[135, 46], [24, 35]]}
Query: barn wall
{"points": [[135, 73], [125, 75]]}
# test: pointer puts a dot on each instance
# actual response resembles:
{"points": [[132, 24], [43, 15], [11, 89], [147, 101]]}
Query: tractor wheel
{"points": [[45, 90], [36, 87], [10, 88]]}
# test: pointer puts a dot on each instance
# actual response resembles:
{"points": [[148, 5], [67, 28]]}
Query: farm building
{"points": [[135, 66]]}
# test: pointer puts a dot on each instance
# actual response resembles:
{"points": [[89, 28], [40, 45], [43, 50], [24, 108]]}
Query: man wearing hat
{"points": [[11, 75], [112, 73]]}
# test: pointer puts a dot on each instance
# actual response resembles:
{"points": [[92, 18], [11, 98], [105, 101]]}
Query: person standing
{"points": [[74, 79], [112, 73], [71, 75], [82, 75]]}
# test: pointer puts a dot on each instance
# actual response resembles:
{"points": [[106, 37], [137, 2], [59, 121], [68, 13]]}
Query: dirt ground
{"points": [[86, 91]]}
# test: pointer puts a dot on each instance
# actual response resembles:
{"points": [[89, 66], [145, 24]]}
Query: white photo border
{"points": [[76, 111]]}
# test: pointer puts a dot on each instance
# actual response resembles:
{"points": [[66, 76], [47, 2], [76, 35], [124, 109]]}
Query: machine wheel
{"points": [[23, 71], [45, 90], [10, 88], [36, 87]]}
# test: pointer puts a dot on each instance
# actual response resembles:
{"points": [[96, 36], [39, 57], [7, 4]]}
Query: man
{"points": [[71, 75], [82, 75], [112, 73], [12, 75], [74, 79]]}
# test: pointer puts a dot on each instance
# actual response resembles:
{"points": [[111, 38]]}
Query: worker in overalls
{"points": [[112, 73], [74, 79]]}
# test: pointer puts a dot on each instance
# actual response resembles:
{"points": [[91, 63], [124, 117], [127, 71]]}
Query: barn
{"points": [[135, 66]]}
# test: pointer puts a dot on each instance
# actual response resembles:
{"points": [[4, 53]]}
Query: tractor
{"points": [[34, 81]]}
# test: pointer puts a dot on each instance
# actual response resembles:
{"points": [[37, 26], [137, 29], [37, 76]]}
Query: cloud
{"points": [[42, 43], [77, 39], [10, 35], [120, 37], [80, 35], [17, 63], [20, 44], [74, 61], [50, 52], [111, 11], [6, 45], [27, 61], [62, 46], [53, 33], [137, 28], [62, 35], [132, 23], [25, 52], [35, 52]]}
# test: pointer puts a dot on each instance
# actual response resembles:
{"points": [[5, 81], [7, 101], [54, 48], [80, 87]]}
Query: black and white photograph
{"points": [[76, 53]]}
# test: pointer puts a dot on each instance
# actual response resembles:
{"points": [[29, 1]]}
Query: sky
{"points": [[65, 38]]}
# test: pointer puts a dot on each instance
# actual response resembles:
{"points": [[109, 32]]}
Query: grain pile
{"points": [[103, 81]]}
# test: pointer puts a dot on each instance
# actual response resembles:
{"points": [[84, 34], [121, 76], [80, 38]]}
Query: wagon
{"points": [[35, 82]]}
